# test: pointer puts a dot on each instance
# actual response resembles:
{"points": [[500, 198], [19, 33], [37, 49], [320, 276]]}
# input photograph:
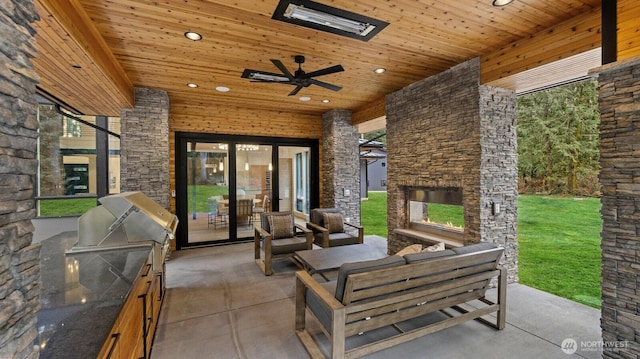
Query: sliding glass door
{"points": [[207, 178], [254, 188], [224, 183]]}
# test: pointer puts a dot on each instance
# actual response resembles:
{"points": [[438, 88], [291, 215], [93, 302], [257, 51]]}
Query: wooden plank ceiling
{"points": [[120, 44]]}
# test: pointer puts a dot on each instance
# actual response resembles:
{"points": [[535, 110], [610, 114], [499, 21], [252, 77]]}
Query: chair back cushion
{"points": [[333, 222], [279, 224], [317, 217]]}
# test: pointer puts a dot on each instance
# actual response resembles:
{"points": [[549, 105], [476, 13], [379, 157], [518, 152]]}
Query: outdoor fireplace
{"points": [[452, 140], [435, 214]]}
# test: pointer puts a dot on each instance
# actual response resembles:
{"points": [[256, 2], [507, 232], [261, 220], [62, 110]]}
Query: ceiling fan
{"points": [[299, 78]]}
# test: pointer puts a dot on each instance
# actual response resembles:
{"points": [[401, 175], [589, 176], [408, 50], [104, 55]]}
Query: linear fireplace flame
{"points": [[438, 212]]}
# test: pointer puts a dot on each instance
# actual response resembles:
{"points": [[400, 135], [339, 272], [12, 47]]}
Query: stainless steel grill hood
{"points": [[125, 220]]}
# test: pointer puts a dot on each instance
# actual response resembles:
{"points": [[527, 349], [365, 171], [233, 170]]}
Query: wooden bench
{"points": [[403, 289]]}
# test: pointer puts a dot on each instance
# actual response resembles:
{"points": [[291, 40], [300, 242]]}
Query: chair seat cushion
{"points": [[288, 245], [337, 239]]}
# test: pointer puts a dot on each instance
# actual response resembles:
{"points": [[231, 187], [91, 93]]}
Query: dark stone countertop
{"points": [[81, 295]]}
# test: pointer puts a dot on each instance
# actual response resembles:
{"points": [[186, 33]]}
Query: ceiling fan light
{"points": [[501, 2]]}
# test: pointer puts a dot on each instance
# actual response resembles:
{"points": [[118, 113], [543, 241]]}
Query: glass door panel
{"points": [[207, 192], [293, 180], [253, 185]]}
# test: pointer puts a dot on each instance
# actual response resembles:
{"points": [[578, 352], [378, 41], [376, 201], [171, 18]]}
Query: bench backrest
{"points": [[389, 295]]}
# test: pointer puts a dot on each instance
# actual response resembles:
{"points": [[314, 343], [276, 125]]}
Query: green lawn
{"points": [[203, 192], [66, 207], [78, 206], [558, 238]]}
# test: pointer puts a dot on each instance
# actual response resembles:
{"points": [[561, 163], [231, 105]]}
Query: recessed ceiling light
{"points": [[305, 98], [192, 85], [222, 89], [380, 70], [325, 101], [193, 36], [501, 2]]}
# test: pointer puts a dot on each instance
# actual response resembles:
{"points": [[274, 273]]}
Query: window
{"points": [[68, 162]]}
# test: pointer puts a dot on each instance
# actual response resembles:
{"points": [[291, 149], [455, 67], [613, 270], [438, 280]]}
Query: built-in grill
{"points": [[126, 220]]}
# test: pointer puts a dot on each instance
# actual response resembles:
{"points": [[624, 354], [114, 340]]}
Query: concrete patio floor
{"points": [[220, 305]]}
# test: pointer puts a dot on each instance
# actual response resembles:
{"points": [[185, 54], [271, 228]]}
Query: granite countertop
{"points": [[81, 295]]}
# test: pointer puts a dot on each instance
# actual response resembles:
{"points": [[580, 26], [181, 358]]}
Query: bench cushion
{"points": [[475, 247], [364, 266], [423, 256]]}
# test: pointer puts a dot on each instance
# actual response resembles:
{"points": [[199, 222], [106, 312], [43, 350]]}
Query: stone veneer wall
{"points": [[340, 164], [620, 180], [447, 131], [19, 258], [144, 161]]}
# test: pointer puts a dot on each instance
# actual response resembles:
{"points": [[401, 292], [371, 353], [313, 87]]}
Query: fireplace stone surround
{"points": [[448, 131]]}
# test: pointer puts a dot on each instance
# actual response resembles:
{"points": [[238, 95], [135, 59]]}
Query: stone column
{"points": [[340, 164], [620, 180], [19, 258], [499, 174], [144, 143]]}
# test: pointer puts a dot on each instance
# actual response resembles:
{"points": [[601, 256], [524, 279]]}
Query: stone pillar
{"points": [[499, 174], [19, 258], [144, 143], [620, 180], [341, 164]]}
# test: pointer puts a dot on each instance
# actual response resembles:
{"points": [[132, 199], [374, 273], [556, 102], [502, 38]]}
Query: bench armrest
{"points": [[306, 281]]}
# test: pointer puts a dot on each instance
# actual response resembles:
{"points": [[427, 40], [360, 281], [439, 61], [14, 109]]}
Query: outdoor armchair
{"points": [[330, 229], [278, 237]]}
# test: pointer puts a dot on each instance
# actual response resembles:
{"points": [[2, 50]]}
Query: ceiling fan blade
{"points": [[282, 68], [296, 90], [327, 71], [326, 85]]}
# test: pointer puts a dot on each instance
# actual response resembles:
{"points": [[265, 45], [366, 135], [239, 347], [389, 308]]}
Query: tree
{"points": [[558, 147]]}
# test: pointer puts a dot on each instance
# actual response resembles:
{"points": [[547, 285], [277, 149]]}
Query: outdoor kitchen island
{"points": [[103, 286], [93, 303]]}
